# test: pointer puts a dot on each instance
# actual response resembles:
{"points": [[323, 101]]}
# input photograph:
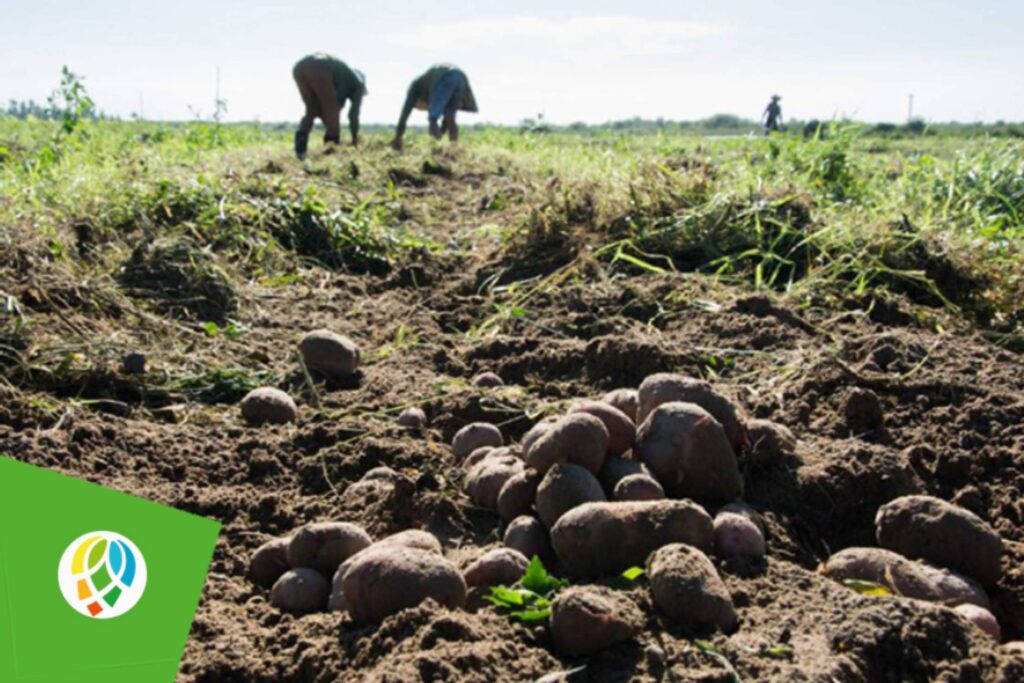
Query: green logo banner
{"points": [[95, 585]]}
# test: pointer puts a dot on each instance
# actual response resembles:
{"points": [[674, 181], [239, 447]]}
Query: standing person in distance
{"points": [[772, 116], [443, 90], [325, 83]]}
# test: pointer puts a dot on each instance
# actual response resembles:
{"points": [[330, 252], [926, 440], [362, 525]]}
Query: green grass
{"points": [[938, 219]]}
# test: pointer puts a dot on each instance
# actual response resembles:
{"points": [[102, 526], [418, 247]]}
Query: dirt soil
{"points": [[953, 407]]}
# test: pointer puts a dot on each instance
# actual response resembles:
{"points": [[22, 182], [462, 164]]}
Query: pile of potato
{"points": [[627, 481]]}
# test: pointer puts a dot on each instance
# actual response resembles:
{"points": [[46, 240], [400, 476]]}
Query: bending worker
{"points": [[772, 115], [443, 91], [325, 82]]}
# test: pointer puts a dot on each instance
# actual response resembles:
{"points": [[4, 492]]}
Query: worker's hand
{"points": [[396, 144]]}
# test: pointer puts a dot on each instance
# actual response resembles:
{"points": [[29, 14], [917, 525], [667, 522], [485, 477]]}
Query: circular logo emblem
{"points": [[102, 574]]}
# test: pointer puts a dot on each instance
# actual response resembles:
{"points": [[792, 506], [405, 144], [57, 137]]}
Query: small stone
{"points": [[863, 411], [413, 418]]}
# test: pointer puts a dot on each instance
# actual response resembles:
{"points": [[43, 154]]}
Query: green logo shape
{"points": [[95, 585]]}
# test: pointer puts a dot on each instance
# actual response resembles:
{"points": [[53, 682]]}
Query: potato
{"points": [[413, 418], [625, 400], [333, 355], [615, 469], [498, 567], [268, 405], [528, 535], [982, 618], [269, 562], [384, 581], [486, 380], [638, 487], [517, 495], [325, 545], [485, 479], [687, 451], [300, 591], [686, 587], [1014, 647], [579, 438], [598, 539], [902, 576], [737, 536], [478, 455], [564, 487], [535, 432], [588, 619], [621, 430], [746, 511], [769, 442], [474, 436], [670, 388], [410, 538], [929, 528]]}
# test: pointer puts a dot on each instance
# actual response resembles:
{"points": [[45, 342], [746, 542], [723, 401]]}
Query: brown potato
{"points": [[325, 545], [579, 438], [685, 586], [485, 479], [902, 576], [687, 451], [384, 581], [268, 405], [615, 469], [638, 487], [588, 619], [982, 618], [478, 455], [498, 567], [737, 536], [666, 387], [769, 442], [517, 495], [300, 591], [598, 539], [269, 562], [625, 400], [333, 355], [621, 430], [929, 528], [746, 511], [564, 487], [528, 535], [474, 436], [410, 538]]}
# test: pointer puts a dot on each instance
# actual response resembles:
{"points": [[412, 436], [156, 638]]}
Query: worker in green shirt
{"points": [[325, 82], [442, 91]]}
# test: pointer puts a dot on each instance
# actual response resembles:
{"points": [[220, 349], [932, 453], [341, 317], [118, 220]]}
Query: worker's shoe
{"points": [[301, 144]]}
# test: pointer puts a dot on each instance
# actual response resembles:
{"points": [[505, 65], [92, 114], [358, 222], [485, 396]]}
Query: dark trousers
{"points": [[316, 85]]}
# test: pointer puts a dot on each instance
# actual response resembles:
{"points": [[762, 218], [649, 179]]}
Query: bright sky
{"points": [[589, 60]]}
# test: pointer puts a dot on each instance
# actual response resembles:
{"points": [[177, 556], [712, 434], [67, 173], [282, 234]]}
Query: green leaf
{"points": [[633, 573], [538, 580], [531, 615], [505, 597], [211, 329], [866, 587], [778, 652]]}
